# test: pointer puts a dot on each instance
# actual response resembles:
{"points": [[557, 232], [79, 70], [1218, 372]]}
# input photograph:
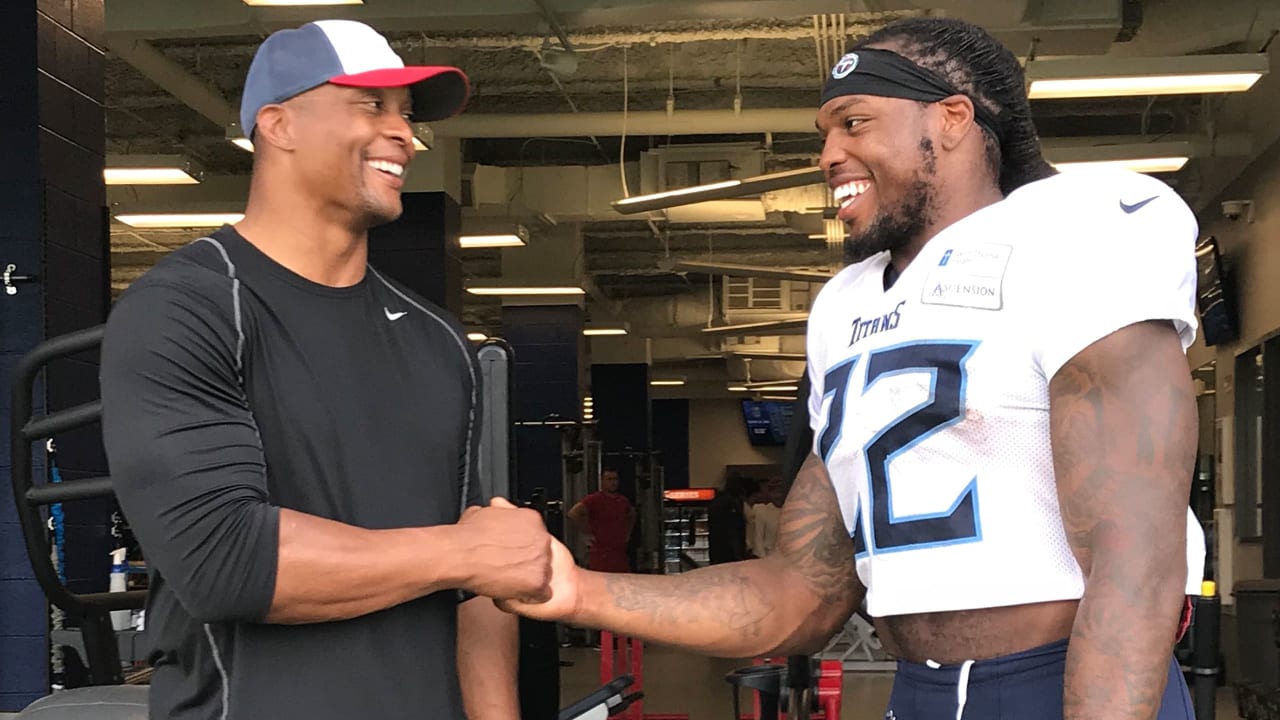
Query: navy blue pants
{"points": [[1024, 686]]}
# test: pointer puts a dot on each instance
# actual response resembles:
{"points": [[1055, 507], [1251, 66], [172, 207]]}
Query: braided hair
{"points": [[983, 68]]}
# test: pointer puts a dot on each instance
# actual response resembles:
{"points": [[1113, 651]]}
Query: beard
{"points": [[900, 225]]}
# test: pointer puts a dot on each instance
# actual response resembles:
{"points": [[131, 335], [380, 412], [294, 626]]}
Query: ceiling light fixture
{"points": [[719, 190], [179, 220], [525, 290], [300, 3], [779, 356], [761, 329], [477, 336], [1119, 77], [151, 170], [745, 271], [490, 241], [1141, 165], [1156, 157], [672, 382], [606, 329]]}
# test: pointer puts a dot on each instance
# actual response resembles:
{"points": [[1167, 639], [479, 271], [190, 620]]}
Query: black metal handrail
{"points": [[91, 609]]}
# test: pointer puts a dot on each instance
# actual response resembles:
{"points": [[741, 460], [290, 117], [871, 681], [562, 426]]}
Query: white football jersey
{"points": [[930, 400]]}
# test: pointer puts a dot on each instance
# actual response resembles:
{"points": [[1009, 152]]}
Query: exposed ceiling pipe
{"points": [[591, 39], [680, 122], [174, 79], [555, 25]]}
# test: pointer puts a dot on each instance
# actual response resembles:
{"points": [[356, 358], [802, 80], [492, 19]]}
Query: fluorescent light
{"points": [[1131, 86], [491, 241], [1150, 157], [293, 3], [180, 220], [720, 190], [761, 329], [779, 388], [606, 328], [151, 170], [148, 176], [242, 143], [525, 290], [1142, 165], [789, 398], [666, 383], [1115, 77], [477, 337], [738, 388], [638, 199]]}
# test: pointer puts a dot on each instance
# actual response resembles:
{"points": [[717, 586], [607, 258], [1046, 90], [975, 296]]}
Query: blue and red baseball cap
{"points": [[344, 52]]}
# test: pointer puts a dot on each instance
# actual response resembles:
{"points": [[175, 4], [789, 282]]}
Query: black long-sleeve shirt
{"points": [[233, 387]]}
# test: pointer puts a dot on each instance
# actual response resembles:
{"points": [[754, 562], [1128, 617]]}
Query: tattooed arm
{"points": [[1123, 422], [789, 602]]}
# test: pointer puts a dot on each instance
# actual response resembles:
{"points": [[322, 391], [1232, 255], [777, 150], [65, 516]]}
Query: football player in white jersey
{"points": [[1003, 416]]}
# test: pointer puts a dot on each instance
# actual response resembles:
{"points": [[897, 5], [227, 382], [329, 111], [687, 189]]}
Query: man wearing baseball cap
{"points": [[294, 436]]}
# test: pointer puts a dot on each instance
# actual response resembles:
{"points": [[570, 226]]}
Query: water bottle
{"points": [[120, 619]]}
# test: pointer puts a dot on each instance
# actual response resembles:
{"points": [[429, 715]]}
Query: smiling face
{"points": [[879, 160], [351, 149]]}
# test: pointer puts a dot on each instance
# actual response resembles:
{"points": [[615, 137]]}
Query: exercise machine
{"points": [[104, 692]]}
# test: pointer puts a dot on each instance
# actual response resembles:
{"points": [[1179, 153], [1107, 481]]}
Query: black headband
{"points": [[884, 73]]}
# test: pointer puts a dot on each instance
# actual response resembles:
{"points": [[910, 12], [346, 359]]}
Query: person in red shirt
{"points": [[607, 517]]}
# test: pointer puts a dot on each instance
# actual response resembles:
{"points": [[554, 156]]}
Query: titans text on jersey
{"points": [[930, 400]]}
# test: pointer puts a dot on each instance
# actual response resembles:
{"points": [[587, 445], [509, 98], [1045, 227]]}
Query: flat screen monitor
{"points": [[768, 421]]}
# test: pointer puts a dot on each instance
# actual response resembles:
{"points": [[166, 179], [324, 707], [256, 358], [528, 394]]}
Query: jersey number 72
{"points": [[945, 363]]}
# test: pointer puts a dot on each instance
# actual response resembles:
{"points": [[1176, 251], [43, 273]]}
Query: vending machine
{"points": [[686, 534]]}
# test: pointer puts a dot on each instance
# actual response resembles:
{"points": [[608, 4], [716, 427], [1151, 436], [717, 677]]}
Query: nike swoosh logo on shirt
{"points": [[394, 316], [1130, 209]]}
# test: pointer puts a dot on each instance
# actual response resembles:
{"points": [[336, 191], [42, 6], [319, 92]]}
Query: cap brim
{"points": [[439, 92]]}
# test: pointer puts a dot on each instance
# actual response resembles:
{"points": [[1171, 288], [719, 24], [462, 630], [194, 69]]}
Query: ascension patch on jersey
{"points": [[970, 277]]}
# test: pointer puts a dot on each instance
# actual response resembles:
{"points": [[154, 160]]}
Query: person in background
{"points": [[727, 520], [607, 517], [766, 508]]}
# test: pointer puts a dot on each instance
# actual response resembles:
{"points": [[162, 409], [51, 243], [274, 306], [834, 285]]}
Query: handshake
{"points": [[509, 556]]}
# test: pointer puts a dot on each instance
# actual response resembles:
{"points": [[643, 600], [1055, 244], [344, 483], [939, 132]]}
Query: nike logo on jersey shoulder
{"points": [[1135, 207], [396, 315]]}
